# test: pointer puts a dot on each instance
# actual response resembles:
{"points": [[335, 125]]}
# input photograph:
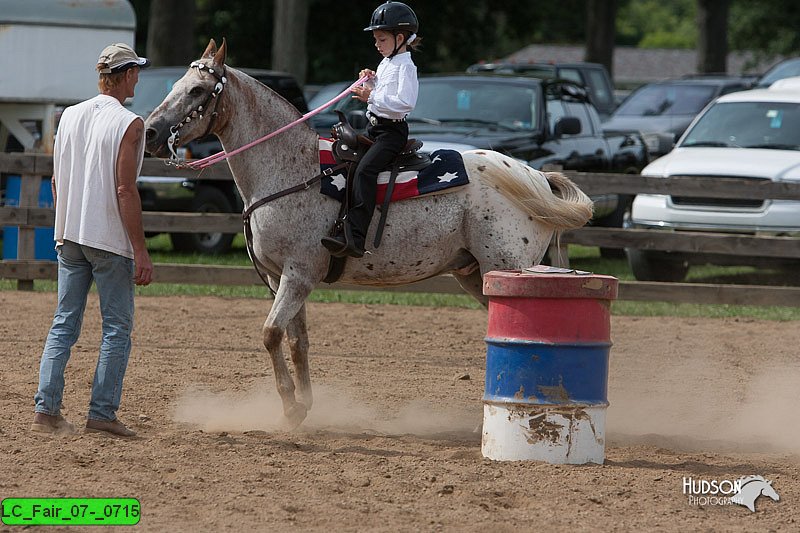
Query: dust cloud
{"points": [[260, 409], [708, 410]]}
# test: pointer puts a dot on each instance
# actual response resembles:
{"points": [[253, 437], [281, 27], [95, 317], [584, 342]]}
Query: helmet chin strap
{"points": [[396, 46]]}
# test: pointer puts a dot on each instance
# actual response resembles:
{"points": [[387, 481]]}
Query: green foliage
{"points": [[657, 24], [768, 27], [457, 34]]}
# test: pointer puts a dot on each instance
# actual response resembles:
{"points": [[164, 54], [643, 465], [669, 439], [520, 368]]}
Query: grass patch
{"points": [[581, 257]]}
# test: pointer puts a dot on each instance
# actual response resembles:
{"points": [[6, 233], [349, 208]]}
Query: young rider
{"points": [[390, 94]]}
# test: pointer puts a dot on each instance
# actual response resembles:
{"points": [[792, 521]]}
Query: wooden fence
{"points": [[32, 167]]}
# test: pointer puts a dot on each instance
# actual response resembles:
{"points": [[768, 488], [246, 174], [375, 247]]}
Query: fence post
{"points": [[26, 235]]}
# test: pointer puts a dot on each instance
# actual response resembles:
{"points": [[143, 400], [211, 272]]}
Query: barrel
{"points": [[548, 342]]}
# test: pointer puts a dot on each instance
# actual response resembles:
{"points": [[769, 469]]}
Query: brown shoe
{"points": [[55, 424], [115, 427]]}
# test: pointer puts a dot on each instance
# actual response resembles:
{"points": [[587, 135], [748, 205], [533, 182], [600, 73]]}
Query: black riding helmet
{"points": [[393, 16]]}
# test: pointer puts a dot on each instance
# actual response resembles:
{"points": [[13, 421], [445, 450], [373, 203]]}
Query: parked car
{"points": [[593, 76], [785, 69], [547, 124], [160, 193], [327, 118], [663, 110], [750, 134]]}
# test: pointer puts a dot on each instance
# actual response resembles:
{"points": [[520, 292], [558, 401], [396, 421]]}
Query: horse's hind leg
{"points": [[289, 299], [297, 334], [473, 284]]}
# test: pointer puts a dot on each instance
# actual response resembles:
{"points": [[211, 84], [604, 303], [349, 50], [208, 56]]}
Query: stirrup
{"points": [[345, 248]]}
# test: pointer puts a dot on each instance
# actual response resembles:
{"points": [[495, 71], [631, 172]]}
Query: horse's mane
{"points": [[259, 91]]}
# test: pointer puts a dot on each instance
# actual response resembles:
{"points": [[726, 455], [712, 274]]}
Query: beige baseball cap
{"points": [[120, 57]]}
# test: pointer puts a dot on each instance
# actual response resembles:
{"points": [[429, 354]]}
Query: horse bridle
{"points": [[174, 131]]}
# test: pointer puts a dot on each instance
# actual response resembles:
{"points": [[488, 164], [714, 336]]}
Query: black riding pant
{"points": [[390, 139]]}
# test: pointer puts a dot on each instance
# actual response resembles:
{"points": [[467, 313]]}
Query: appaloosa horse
{"points": [[503, 218]]}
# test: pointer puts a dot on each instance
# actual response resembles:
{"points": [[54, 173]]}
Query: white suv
{"points": [[750, 134]]}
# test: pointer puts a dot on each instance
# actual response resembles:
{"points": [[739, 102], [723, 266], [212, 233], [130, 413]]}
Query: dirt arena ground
{"points": [[391, 444]]}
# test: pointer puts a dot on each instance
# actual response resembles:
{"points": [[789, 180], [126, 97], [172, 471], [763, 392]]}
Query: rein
{"points": [[221, 156], [248, 231], [174, 137]]}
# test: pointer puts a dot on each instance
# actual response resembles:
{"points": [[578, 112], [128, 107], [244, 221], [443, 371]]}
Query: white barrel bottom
{"points": [[557, 434]]}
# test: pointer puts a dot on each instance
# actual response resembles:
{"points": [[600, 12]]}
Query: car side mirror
{"points": [[567, 126]]}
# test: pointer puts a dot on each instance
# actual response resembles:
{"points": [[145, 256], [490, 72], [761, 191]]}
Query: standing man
{"points": [[99, 237]]}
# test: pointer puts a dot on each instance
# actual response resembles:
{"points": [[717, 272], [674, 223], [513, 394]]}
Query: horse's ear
{"points": [[211, 49], [219, 57]]}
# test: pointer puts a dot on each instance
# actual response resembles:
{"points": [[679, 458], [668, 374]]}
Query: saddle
{"points": [[350, 146]]}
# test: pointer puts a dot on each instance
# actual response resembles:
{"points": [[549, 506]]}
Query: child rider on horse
{"points": [[390, 94]]}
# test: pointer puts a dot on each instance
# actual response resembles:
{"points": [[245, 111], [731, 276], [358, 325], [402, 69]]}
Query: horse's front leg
{"points": [[289, 300], [297, 333]]}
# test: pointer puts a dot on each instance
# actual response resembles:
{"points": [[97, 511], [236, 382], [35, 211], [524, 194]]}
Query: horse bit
{"points": [[174, 131]]}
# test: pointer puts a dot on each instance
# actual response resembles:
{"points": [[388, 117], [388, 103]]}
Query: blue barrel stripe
{"points": [[530, 372]]}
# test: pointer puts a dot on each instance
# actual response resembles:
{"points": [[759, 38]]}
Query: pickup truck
{"points": [[749, 135], [548, 124], [592, 76]]}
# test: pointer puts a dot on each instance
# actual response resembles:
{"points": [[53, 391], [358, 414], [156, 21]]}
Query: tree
{"points": [[289, 38], [170, 32], [601, 16], [712, 35], [768, 27]]}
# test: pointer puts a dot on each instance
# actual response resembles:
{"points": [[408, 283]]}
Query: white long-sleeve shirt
{"points": [[395, 89]]}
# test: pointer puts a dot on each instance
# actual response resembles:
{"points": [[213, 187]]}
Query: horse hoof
{"points": [[295, 416]]}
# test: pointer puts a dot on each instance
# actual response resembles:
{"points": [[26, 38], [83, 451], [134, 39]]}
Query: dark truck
{"points": [[161, 193], [592, 76], [548, 124]]}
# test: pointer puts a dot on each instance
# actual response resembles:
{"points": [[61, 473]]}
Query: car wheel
{"points": [[615, 220], [206, 200], [655, 266]]}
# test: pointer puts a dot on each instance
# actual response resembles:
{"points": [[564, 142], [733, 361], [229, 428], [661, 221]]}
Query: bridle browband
{"points": [[174, 131]]}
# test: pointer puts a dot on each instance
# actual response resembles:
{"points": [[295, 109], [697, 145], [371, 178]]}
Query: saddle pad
{"points": [[446, 171]]}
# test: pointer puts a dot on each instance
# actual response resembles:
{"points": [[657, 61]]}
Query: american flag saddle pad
{"points": [[446, 171]]}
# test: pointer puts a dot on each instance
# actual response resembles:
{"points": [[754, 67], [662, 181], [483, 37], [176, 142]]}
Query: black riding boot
{"points": [[348, 241]]}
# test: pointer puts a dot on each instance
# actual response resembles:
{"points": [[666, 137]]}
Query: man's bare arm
{"points": [[130, 204]]}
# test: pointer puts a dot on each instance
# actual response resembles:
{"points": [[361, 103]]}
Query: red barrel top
{"points": [[548, 282]]}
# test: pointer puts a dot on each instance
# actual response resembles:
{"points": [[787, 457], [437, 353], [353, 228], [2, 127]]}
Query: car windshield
{"points": [[787, 69], [665, 100], [470, 102], [326, 94], [772, 125], [150, 91]]}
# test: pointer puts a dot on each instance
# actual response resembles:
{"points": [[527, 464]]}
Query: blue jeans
{"points": [[113, 274]]}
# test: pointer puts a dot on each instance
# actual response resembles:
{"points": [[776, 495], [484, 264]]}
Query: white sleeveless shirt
{"points": [[85, 169]]}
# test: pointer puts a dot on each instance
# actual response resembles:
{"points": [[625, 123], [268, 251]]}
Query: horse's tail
{"points": [[550, 197]]}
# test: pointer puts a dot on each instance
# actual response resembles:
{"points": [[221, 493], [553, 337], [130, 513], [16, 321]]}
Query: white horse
{"points": [[503, 219]]}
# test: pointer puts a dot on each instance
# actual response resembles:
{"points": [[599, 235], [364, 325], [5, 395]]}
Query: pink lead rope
{"points": [[220, 156]]}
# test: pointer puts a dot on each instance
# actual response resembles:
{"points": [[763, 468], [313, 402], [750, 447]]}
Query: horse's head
{"points": [[191, 108], [769, 491]]}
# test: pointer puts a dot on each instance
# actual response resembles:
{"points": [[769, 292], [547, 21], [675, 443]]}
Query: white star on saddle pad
{"points": [[338, 181], [448, 177]]}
